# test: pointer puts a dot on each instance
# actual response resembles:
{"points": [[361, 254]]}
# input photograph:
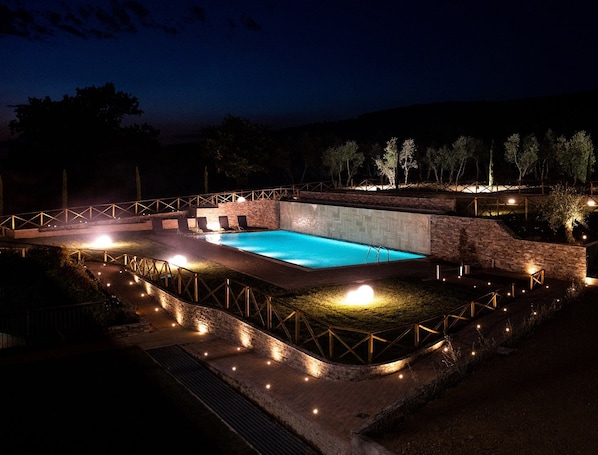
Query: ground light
{"points": [[102, 241], [361, 296], [178, 260]]}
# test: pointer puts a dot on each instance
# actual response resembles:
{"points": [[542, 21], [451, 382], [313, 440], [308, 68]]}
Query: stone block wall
{"points": [[488, 243], [262, 213], [365, 198], [392, 229], [481, 242], [225, 325]]}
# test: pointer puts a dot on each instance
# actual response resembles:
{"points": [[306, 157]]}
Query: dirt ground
{"points": [[541, 399]]}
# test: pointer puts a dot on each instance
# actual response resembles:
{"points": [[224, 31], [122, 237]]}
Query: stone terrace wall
{"points": [[262, 213], [488, 243], [225, 325], [364, 198]]}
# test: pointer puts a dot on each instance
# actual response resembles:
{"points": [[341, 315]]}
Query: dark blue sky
{"points": [[292, 62]]}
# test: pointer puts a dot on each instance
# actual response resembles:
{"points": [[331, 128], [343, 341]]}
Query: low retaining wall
{"points": [[263, 213], [99, 228], [226, 326], [365, 198]]}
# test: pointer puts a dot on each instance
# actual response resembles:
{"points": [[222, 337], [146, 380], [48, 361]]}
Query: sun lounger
{"points": [[223, 219], [202, 224], [183, 225], [243, 226]]}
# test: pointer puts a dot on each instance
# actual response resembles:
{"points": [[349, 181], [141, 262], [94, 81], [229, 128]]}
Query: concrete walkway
{"points": [[330, 414]]}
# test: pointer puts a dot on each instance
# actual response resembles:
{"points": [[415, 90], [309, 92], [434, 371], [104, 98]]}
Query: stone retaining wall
{"points": [[489, 243], [262, 213], [226, 326], [365, 198]]}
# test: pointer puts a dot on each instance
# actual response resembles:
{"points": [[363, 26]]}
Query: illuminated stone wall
{"points": [[489, 243], [369, 198], [479, 242], [262, 213], [378, 227]]}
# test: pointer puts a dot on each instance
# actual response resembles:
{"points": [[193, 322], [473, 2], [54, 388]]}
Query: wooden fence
{"points": [[290, 324]]}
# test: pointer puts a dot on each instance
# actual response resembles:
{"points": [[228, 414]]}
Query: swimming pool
{"points": [[308, 250]]}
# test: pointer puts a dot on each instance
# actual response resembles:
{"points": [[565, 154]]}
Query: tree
{"points": [[341, 158], [522, 155], [85, 135], [387, 163], [353, 159], [491, 165], [576, 156], [461, 151], [437, 160], [91, 121], [564, 207], [407, 157], [137, 184], [239, 147], [546, 156], [65, 200]]}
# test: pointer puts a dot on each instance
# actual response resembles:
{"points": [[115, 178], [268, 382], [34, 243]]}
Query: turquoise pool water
{"points": [[308, 250]]}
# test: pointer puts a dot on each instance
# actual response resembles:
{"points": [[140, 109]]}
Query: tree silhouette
{"points": [[238, 147]]}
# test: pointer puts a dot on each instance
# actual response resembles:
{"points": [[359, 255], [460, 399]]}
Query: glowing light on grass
{"points": [[178, 260], [102, 241], [361, 296]]}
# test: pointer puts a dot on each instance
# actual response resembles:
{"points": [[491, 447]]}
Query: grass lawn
{"points": [[396, 303]]}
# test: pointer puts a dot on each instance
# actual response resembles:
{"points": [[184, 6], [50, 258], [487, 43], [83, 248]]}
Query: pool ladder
{"points": [[378, 249]]}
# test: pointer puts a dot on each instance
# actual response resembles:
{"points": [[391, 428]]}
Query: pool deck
{"points": [[344, 407], [289, 276]]}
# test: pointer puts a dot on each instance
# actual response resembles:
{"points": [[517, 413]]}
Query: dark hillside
{"points": [[441, 123]]}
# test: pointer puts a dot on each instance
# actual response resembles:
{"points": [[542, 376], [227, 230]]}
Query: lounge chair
{"points": [[243, 226], [242, 221], [202, 224], [223, 219], [157, 225], [183, 225]]}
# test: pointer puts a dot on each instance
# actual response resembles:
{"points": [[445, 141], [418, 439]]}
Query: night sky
{"points": [[293, 62]]}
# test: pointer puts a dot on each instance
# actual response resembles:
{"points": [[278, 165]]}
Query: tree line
{"points": [[91, 138]]}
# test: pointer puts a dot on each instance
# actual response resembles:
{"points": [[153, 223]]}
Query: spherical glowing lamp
{"points": [[102, 241], [362, 295], [178, 260]]}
